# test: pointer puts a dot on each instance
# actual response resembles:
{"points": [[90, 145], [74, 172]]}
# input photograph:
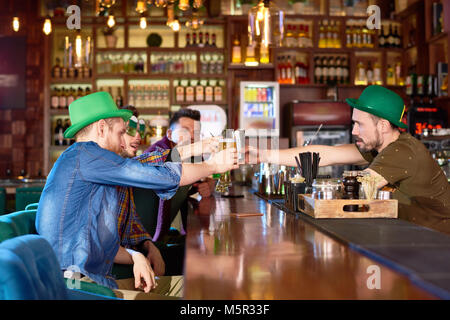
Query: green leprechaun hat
{"points": [[382, 103], [91, 108]]}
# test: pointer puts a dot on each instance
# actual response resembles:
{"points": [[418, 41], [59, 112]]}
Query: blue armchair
{"points": [[30, 271]]}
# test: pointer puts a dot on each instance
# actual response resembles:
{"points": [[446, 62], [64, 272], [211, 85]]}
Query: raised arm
{"points": [[329, 155]]}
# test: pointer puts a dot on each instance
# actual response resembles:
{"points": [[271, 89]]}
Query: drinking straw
{"points": [[298, 165]]}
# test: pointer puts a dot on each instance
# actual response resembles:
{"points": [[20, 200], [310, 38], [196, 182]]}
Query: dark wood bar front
{"points": [[277, 255]]}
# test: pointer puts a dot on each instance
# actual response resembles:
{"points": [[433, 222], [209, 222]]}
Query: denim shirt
{"points": [[79, 206]]}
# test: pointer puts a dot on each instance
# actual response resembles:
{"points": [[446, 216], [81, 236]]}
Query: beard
{"points": [[114, 147], [367, 145]]}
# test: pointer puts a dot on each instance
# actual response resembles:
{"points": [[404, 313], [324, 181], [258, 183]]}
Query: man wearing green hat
{"points": [[78, 208], [400, 162]]}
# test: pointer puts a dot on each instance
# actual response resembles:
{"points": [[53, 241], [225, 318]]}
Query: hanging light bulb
{"points": [[160, 3], [197, 3], [47, 26], [106, 3], [16, 24], [111, 21], [266, 24], [78, 51], [141, 6], [143, 23], [183, 5], [175, 26]]}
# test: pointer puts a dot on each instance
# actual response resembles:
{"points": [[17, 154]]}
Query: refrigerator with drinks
{"points": [[259, 111]]}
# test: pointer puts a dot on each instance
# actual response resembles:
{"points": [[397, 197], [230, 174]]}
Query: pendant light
{"points": [[47, 26], [143, 23], [266, 24], [16, 24], [111, 21]]}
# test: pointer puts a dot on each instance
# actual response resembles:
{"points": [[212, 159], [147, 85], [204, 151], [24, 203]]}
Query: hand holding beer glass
{"points": [[230, 139]]}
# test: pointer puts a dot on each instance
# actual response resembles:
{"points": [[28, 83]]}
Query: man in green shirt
{"points": [[400, 161]]}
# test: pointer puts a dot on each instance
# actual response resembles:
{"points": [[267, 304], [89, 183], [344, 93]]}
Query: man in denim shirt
{"points": [[79, 204]]}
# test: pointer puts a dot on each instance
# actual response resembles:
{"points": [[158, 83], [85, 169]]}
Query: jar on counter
{"points": [[351, 188], [326, 189]]}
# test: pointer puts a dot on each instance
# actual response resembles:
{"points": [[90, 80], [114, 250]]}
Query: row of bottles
{"points": [[329, 34], [250, 54], [292, 71], [70, 72], [297, 37], [331, 70], [149, 96], [357, 35], [173, 63], [199, 90], [420, 85], [58, 136], [368, 74], [211, 63], [61, 98], [121, 63], [198, 41], [394, 74], [391, 39]]}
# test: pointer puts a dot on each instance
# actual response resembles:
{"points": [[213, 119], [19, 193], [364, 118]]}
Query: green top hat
{"points": [[382, 103], [91, 108]]}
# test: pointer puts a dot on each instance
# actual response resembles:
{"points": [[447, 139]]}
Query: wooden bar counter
{"points": [[277, 255]]}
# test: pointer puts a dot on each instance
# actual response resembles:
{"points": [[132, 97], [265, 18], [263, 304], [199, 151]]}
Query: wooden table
{"points": [[277, 256]]}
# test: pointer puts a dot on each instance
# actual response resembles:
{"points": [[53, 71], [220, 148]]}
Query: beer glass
{"points": [[226, 141]]}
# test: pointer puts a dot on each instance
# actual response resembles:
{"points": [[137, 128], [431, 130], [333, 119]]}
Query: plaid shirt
{"points": [[131, 230]]}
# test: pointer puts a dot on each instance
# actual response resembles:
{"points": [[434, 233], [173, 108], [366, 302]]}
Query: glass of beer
{"points": [[226, 141]]}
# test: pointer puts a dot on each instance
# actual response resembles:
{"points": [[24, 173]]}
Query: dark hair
{"points": [[130, 107], [184, 113]]}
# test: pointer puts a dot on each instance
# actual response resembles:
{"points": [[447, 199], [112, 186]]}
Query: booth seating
{"points": [[29, 270], [2, 201], [27, 195], [21, 223]]}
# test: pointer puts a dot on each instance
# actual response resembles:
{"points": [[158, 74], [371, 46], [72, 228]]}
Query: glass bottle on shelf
{"points": [[360, 78], [63, 99], [324, 78], [338, 71], [398, 40], [369, 74], [188, 41], [207, 44], [213, 41], [200, 40], [67, 141], [301, 37], [79, 93], [55, 98], [390, 38], [190, 92], [345, 71], [236, 51], [317, 70], [250, 56], [193, 62], [131, 96], [71, 96], [331, 71], [199, 92], [322, 35], [209, 92], [194, 39], [59, 133], [264, 54], [56, 70], [336, 35], [290, 75], [348, 34], [179, 91], [377, 73], [390, 78], [219, 64], [398, 74], [382, 38], [218, 92], [119, 98]]}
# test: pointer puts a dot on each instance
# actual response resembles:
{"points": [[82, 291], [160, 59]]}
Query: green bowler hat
{"points": [[382, 103], [91, 108]]}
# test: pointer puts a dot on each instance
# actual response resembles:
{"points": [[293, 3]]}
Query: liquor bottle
{"points": [[200, 40], [207, 44], [119, 98], [250, 56], [327, 34], [390, 78], [218, 92], [209, 92], [194, 39], [398, 73], [355, 35], [336, 35], [324, 78], [345, 71], [87, 91], [289, 38], [290, 76], [54, 100], [131, 96], [213, 41], [348, 35], [179, 91], [71, 96], [67, 141], [264, 54], [377, 73], [382, 38], [398, 40], [322, 35], [338, 70], [56, 70], [236, 51], [317, 70], [308, 41], [331, 71], [419, 90], [301, 37], [188, 41], [360, 78], [298, 72], [190, 92], [390, 38], [331, 41], [59, 133], [280, 68], [199, 92], [63, 99], [369, 74]]}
